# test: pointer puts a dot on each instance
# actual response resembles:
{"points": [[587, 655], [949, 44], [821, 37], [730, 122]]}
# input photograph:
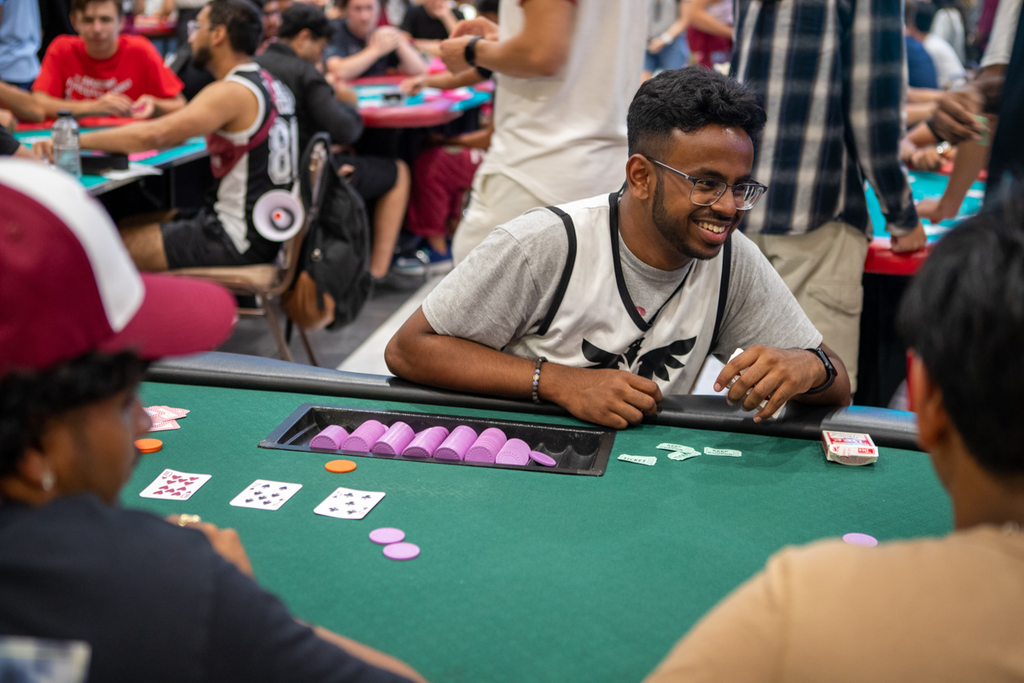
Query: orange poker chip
{"points": [[340, 466], [149, 445]]}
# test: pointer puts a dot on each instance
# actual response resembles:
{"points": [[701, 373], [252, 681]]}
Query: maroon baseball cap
{"points": [[68, 285]]}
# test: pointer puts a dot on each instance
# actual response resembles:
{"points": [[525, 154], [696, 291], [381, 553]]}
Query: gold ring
{"points": [[185, 520]]}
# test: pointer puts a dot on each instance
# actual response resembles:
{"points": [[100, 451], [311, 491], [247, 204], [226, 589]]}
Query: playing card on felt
{"points": [[349, 503], [164, 426], [164, 413], [263, 494], [174, 485]]}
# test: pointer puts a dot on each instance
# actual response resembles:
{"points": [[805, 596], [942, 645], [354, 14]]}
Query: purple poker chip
{"points": [[486, 447], [514, 452], [456, 445], [330, 439], [364, 436], [394, 441], [387, 535], [860, 539], [426, 442], [401, 551], [542, 459]]}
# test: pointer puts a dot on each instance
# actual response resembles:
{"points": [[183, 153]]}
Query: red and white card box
{"points": [[848, 448]]}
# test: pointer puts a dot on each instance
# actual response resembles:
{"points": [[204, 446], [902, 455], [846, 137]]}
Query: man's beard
{"points": [[664, 224], [201, 56]]}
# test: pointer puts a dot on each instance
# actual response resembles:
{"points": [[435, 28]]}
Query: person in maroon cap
{"points": [[86, 587]]}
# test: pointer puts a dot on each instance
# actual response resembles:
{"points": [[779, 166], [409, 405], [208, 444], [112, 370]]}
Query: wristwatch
{"points": [[830, 370], [470, 52]]}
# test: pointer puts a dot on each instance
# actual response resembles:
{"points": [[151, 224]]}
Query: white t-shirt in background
{"points": [[948, 69], [564, 138], [1004, 31]]}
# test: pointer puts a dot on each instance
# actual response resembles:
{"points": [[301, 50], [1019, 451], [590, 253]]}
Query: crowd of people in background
{"points": [[457, 184], [791, 106]]}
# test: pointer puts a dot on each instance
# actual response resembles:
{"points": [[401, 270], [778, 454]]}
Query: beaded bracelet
{"points": [[536, 378]]}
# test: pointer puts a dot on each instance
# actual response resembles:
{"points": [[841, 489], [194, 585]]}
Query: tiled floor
{"points": [[357, 347]]}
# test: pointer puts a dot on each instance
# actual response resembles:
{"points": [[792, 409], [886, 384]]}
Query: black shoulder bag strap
{"points": [[570, 262], [723, 290]]}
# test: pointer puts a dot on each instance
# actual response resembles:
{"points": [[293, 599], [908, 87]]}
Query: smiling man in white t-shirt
{"points": [[605, 304], [565, 71]]}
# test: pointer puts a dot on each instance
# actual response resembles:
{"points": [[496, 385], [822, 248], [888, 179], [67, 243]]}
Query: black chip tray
{"points": [[576, 450]]}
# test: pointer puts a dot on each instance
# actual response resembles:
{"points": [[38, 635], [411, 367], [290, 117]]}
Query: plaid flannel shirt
{"points": [[833, 77]]}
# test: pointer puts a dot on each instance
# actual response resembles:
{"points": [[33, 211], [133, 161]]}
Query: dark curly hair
{"points": [[963, 315], [687, 100], [28, 401], [243, 22]]}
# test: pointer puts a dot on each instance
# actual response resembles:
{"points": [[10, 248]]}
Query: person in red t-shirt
{"points": [[102, 73]]}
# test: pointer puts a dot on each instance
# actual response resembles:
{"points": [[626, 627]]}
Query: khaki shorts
{"points": [[824, 269]]}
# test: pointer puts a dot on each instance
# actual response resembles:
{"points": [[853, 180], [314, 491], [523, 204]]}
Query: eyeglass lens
{"points": [[707, 192]]}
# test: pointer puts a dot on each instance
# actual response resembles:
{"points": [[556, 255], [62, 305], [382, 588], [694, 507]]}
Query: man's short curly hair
{"points": [[687, 100]]}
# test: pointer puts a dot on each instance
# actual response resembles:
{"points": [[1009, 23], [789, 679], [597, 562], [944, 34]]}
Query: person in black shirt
{"points": [[9, 146], [362, 48], [143, 599], [302, 37], [382, 182], [428, 24]]}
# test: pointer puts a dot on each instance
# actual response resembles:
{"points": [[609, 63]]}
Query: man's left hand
{"points": [[770, 373], [453, 54], [912, 241]]}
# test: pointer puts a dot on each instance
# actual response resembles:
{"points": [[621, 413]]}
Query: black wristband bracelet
{"points": [[470, 52], [486, 73], [830, 372], [931, 127]]}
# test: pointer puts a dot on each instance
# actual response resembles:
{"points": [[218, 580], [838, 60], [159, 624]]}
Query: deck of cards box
{"points": [[848, 448], [446, 439]]}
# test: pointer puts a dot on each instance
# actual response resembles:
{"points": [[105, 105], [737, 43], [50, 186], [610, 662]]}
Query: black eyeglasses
{"points": [[706, 191]]}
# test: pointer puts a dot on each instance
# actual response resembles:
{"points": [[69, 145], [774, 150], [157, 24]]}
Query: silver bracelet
{"points": [[536, 378]]}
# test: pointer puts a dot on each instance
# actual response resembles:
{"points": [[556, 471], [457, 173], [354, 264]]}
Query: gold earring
{"points": [[49, 480]]}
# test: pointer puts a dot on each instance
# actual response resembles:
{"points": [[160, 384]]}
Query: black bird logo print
{"points": [[654, 363]]}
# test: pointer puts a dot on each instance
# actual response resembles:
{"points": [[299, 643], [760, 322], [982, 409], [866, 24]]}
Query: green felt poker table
{"points": [[525, 575]]}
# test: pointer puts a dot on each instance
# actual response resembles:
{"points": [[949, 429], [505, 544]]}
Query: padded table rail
{"points": [[892, 428]]}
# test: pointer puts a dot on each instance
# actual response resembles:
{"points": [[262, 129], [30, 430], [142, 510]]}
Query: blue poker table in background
{"points": [[882, 361], [191, 150], [881, 260], [430, 107]]}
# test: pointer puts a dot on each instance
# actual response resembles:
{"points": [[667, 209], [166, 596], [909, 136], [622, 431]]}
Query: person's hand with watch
{"points": [[769, 377]]}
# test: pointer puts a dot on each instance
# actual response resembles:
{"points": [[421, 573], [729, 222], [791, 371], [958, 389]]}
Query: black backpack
{"points": [[336, 250]]}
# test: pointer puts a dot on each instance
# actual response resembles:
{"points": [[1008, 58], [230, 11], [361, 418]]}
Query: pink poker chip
{"points": [[330, 439], [514, 452], [387, 535], [861, 539], [401, 551], [542, 459]]}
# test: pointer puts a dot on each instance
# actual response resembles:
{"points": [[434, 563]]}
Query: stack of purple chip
{"points": [[364, 437], [514, 452], [330, 439], [487, 445], [462, 443], [395, 439], [426, 443], [456, 445]]}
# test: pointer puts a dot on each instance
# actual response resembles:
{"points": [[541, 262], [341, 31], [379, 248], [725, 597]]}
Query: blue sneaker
{"points": [[426, 261]]}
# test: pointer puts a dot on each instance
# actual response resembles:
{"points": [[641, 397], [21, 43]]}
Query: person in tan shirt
{"points": [[934, 609]]}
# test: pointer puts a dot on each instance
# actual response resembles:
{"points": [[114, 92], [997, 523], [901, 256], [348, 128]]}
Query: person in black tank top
{"points": [[248, 119]]}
